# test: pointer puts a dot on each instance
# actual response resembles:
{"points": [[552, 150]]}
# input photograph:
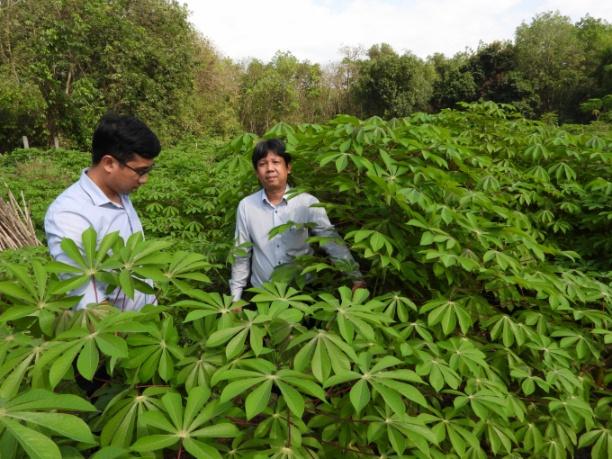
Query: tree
{"points": [[454, 82], [551, 56], [596, 37], [89, 56], [284, 89], [391, 85]]}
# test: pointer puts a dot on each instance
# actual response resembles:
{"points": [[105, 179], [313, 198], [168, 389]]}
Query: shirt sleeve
{"points": [[337, 251], [241, 268], [60, 224]]}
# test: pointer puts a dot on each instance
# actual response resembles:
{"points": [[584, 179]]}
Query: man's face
{"points": [[128, 176], [272, 172]]}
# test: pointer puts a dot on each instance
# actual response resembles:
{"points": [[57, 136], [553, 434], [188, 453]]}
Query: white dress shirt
{"points": [[84, 205], [256, 216]]}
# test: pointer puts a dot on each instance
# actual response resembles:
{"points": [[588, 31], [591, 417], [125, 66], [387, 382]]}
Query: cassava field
{"points": [[486, 241]]}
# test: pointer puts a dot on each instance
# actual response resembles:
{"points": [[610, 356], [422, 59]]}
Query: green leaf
{"points": [[159, 421], [112, 345], [154, 442], [236, 344], [292, 398], [10, 386], [321, 364], [236, 388], [40, 399], [71, 250], [35, 444], [88, 360], [66, 425], [63, 363], [221, 336], [173, 404], [360, 395], [195, 401], [258, 400], [222, 430], [200, 450], [15, 291]]}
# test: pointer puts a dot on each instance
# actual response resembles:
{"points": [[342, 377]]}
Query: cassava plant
{"points": [[484, 330]]}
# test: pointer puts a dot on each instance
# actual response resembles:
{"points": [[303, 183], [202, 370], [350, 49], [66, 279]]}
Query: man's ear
{"points": [[289, 168], [108, 163]]}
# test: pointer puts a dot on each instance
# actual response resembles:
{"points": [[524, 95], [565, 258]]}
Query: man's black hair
{"points": [[270, 145], [122, 137]]}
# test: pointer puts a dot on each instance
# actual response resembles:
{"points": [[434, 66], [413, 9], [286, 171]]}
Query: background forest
{"points": [[63, 63]]}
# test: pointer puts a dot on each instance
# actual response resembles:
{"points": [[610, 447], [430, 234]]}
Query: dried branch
{"points": [[16, 227]]}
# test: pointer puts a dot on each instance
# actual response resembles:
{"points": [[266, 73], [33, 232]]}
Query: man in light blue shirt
{"points": [[123, 150], [270, 207]]}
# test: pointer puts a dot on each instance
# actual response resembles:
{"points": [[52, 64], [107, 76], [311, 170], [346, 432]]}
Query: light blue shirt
{"points": [[256, 216], [84, 205]]}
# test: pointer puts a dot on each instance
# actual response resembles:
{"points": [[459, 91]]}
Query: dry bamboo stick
{"points": [[16, 227]]}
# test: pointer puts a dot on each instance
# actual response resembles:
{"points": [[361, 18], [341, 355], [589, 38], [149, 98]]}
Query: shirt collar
{"points": [[264, 198], [96, 195]]}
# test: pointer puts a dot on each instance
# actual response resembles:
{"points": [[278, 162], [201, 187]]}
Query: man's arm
{"points": [[60, 224], [337, 251], [241, 269]]}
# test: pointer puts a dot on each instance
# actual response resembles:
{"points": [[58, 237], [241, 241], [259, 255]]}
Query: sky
{"points": [[317, 30]]}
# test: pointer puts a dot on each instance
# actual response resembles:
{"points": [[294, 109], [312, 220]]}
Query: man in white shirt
{"points": [[123, 152], [270, 207]]}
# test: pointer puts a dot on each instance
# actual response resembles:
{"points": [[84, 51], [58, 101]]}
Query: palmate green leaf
{"points": [[70, 248], [111, 345], [601, 439], [10, 386], [342, 378], [157, 420], [323, 353], [64, 424], [122, 417], [235, 346], [39, 399], [321, 362], [236, 388], [500, 438], [111, 452], [126, 284], [173, 405], [301, 382], [63, 363], [154, 442], [165, 366], [360, 395], [88, 360], [200, 450], [220, 337], [406, 390], [14, 290], [293, 399], [118, 429], [196, 399], [258, 400], [35, 444]]}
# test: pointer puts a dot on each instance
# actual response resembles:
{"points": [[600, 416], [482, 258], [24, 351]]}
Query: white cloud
{"points": [[317, 29]]}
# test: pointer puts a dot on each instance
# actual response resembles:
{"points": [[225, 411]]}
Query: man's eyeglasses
{"points": [[140, 171]]}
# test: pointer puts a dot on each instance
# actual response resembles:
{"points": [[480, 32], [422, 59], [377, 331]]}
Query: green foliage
{"points": [[484, 332], [75, 60], [391, 85], [283, 89], [550, 54]]}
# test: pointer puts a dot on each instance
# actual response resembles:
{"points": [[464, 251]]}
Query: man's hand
{"points": [[359, 283]]}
